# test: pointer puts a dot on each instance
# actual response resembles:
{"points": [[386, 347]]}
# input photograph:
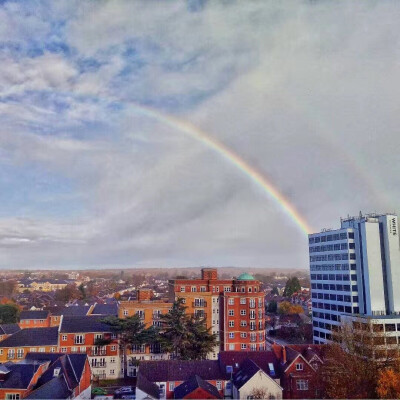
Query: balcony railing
{"points": [[199, 315], [199, 304], [98, 352], [10, 356], [157, 316], [99, 365]]}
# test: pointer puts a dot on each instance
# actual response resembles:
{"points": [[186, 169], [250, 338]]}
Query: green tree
{"points": [[7, 288], [82, 289], [185, 337], [131, 331], [8, 313], [292, 286], [70, 292]]}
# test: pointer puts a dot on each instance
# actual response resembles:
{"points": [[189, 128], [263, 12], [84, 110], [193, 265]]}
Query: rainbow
{"points": [[266, 185], [196, 133]]}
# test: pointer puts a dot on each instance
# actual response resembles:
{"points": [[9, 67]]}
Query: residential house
{"points": [[196, 388], [68, 376], [145, 389], [8, 329], [16, 346], [251, 381], [90, 335], [34, 319], [17, 379]]}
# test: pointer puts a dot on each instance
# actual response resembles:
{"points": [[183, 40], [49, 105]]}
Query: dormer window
{"points": [[299, 367]]}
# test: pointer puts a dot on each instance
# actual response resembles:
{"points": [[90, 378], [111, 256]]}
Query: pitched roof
{"points": [[37, 314], [194, 383], [147, 387], [70, 311], [248, 369], [176, 370], [71, 367], [9, 329], [19, 376], [56, 388], [88, 323], [105, 309], [32, 337], [237, 358]]}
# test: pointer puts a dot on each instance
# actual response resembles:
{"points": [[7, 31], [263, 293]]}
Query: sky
{"points": [[305, 93]]}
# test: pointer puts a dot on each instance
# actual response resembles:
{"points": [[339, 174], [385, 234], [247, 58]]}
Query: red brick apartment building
{"points": [[233, 308]]}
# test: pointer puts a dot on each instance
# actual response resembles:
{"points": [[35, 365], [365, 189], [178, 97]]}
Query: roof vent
{"points": [[56, 371]]}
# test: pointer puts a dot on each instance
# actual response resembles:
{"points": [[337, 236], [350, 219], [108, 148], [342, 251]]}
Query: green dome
{"points": [[245, 277]]}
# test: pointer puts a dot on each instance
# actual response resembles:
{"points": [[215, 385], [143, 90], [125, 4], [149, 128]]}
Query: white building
{"points": [[355, 271]]}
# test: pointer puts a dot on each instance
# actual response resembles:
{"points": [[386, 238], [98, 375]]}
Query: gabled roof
{"points": [[32, 337], [147, 387], [194, 383], [105, 309], [9, 329], [248, 369], [37, 314], [176, 370], [71, 367], [56, 388], [235, 359], [84, 324], [77, 311], [19, 376]]}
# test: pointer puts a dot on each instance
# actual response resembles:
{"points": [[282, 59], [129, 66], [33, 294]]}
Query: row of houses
{"points": [[284, 372], [46, 376]]}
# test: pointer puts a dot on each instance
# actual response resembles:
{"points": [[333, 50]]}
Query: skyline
{"points": [[302, 95]]}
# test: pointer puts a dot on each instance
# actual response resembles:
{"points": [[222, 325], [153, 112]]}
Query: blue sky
{"points": [[304, 92]]}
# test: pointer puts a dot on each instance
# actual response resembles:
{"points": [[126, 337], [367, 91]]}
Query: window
{"points": [[80, 339], [42, 350], [231, 335], [243, 300], [112, 360], [299, 367], [193, 289], [243, 346], [64, 338], [171, 386], [243, 335], [242, 312], [231, 313], [302, 384], [32, 349], [231, 302], [113, 348], [231, 324], [20, 353], [12, 396], [182, 289], [112, 371], [227, 288], [219, 385], [243, 323], [231, 347], [125, 312], [82, 349]]}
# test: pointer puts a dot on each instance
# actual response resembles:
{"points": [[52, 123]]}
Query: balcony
{"points": [[99, 364], [98, 352], [157, 316], [10, 356], [199, 315], [199, 304]]}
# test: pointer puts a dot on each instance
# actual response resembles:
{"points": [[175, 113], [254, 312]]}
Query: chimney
{"points": [[284, 354]]}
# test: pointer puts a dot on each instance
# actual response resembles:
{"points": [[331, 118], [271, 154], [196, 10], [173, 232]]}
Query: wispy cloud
{"points": [[304, 92]]}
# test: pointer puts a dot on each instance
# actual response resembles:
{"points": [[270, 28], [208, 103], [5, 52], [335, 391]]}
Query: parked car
{"points": [[124, 391]]}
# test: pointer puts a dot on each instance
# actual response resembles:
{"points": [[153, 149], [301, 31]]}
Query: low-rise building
{"points": [[34, 319], [95, 338], [19, 344]]}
